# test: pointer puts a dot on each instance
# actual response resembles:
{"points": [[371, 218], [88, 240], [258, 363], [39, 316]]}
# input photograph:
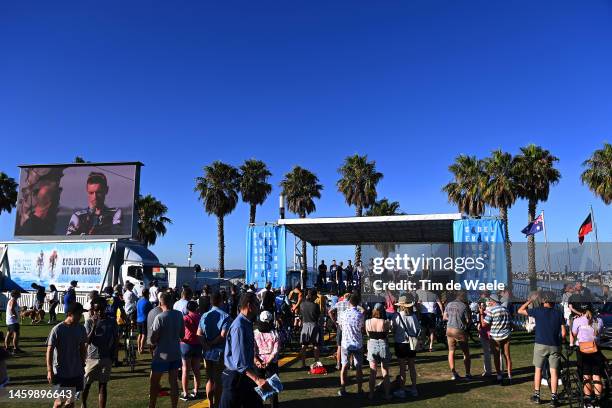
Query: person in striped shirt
{"points": [[498, 318]]}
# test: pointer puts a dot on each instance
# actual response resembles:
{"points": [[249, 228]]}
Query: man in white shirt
{"points": [[130, 298], [181, 304], [153, 291]]}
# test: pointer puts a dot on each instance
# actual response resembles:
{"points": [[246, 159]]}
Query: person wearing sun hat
{"points": [[406, 330]]}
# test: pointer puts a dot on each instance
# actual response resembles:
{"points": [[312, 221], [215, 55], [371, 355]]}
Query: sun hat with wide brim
{"points": [[405, 301]]}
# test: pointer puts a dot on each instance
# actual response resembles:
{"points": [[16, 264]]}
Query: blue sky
{"points": [[177, 85]]}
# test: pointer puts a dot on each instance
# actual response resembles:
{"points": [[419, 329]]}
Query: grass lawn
{"points": [[128, 389]]}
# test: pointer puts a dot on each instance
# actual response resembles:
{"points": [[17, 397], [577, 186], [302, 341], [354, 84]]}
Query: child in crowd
{"points": [[267, 349]]}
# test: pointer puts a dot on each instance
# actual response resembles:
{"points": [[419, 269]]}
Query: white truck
{"points": [[93, 263]]}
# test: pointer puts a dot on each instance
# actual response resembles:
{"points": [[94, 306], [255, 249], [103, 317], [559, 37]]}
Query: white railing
{"points": [[29, 299]]}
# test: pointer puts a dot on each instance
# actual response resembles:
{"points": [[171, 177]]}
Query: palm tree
{"points": [[218, 189], [8, 193], [381, 208], [300, 187], [467, 188], [535, 173], [152, 219], [254, 185], [598, 173], [500, 192], [358, 185]]}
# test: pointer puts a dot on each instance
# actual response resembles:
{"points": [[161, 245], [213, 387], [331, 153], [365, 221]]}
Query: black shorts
{"points": [[13, 328], [591, 364], [74, 382], [428, 321], [402, 350], [142, 328], [338, 337]]}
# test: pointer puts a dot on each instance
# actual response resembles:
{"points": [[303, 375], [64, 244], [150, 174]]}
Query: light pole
{"points": [[281, 206]]}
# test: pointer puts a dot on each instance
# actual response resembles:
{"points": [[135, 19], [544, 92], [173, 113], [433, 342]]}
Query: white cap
{"points": [[266, 317]]}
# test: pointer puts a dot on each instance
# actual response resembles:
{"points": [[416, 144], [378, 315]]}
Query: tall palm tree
{"points": [[218, 189], [535, 173], [254, 186], [358, 185], [382, 208], [500, 192], [598, 173], [467, 188], [8, 193], [300, 187], [152, 219]]}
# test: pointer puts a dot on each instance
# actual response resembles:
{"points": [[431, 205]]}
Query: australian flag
{"points": [[535, 226]]}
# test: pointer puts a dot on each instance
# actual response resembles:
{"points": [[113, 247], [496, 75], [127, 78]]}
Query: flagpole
{"points": [[547, 253], [569, 259], [596, 243]]}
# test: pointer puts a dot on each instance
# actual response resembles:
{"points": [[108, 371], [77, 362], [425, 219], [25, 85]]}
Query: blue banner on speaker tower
{"points": [[266, 256], [481, 239]]}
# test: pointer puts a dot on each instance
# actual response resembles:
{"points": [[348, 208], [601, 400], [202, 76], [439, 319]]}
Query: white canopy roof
{"points": [[420, 228]]}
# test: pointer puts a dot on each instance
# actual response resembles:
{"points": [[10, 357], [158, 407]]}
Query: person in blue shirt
{"points": [[212, 332], [70, 295], [240, 377], [143, 307], [550, 333]]}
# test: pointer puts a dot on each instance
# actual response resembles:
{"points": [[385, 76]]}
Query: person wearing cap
{"points": [[212, 332], [352, 323], [66, 351], [70, 295], [497, 318], [102, 339], [549, 335], [267, 348], [458, 318], [406, 330], [378, 328]]}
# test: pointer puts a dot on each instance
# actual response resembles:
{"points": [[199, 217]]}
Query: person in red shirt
{"points": [[191, 351]]}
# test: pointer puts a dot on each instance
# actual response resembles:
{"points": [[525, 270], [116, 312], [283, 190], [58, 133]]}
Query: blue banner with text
{"points": [[484, 241], [266, 256]]}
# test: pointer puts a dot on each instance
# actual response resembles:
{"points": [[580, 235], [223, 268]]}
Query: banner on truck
{"points": [[59, 264], [266, 256]]}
